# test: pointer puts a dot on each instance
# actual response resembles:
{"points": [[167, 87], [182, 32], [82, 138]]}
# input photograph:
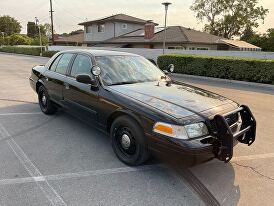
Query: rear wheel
{"points": [[46, 105], [128, 141]]}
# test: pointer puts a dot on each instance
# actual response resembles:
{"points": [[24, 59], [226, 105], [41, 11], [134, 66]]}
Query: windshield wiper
{"points": [[120, 83]]}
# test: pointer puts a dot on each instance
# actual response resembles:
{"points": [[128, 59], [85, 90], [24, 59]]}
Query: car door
{"points": [[54, 77], [81, 98]]}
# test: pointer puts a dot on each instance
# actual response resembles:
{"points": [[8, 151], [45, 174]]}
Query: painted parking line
{"points": [[17, 100], [20, 113], [48, 190], [253, 157], [80, 174]]}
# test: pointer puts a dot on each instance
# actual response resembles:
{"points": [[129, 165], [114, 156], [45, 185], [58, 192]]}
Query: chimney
{"points": [[149, 29]]}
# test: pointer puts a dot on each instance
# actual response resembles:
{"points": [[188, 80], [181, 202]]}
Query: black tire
{"points": [[46, 105], [137, 152]]}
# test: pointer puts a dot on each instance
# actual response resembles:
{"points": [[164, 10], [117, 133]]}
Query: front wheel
{"points": [[45, 104], [128, 141]]}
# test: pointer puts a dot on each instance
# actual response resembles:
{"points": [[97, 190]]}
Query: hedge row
{"points": [[27, 50], [252, 70]]}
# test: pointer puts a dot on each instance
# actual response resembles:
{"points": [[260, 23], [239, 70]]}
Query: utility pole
{"points": [[51, 18], [166, 4]]}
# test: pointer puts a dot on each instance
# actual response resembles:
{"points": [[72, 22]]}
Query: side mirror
{"points": [[171, 68], [166, 72], [86, 79]]}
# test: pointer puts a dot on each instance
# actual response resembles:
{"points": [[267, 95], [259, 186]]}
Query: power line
{"points": [[67, 12], [29, 13]]}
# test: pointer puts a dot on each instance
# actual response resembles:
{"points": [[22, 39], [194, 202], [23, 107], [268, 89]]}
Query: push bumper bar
{"points": [[225, 136]]}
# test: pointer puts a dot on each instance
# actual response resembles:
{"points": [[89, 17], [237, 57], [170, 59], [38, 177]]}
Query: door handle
{"points": [[66, 85]]}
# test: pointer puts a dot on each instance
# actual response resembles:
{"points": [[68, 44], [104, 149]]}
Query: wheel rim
{"points": [[125, 141], [43, 99]]}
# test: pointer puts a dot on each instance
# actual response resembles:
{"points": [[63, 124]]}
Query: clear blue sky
{"points": [[68, 13]]}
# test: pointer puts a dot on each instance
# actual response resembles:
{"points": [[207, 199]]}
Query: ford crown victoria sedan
{"points": [[140, 107]]}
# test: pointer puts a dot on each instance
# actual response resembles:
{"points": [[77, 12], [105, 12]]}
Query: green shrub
{"points": [[19, 39], [22, 50], [252, 70], [36, 40]]}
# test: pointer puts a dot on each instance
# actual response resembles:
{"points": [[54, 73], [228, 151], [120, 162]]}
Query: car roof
{"points": [[100, 52]]}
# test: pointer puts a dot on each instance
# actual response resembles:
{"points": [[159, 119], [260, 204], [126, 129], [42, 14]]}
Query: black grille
{"points": [[230, 119]]}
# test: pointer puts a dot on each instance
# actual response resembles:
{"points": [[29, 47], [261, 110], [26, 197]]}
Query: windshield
{"points": [[127, 70]]}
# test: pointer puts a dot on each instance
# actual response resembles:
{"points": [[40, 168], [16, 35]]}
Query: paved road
{"points": [[60, 160]]}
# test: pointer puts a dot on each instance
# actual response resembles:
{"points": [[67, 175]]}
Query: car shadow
{"points": [[208, 178], [211, 179]]}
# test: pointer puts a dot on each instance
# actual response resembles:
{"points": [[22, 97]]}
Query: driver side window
{"points": [[81, 65]]}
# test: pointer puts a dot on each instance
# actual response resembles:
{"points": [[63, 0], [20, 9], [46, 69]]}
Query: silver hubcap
{"points": [[125, 141], [44, 99]]}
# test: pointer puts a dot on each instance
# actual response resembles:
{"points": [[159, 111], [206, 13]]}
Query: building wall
{"points": [[154, 53], [94, 36], [130, 27], [188, 46]]}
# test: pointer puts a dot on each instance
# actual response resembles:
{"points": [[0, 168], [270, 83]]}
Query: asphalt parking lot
{"points": [[60, 160]]}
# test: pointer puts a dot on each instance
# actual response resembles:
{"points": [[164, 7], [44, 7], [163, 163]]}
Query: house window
{"points": [[176, 47], [88, 29], [191, 48], [101, 28], [124, 26], [202, 48]]}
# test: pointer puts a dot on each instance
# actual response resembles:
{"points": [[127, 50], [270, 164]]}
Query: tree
{"points": [[9, 25], [46, 29], [268, 44], [265, 41], [248, 33], [229, 18], [31, 29]]}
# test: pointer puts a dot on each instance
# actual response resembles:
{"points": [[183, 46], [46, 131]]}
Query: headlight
{"points": [[181, 132], [196, 130]]}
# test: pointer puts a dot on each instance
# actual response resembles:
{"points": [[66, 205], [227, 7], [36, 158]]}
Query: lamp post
{"points": [[40, 38], [166, 4]]}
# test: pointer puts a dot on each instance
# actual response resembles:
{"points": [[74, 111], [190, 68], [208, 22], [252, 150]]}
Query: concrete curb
{"points": [[25, 55], [227, 81]]}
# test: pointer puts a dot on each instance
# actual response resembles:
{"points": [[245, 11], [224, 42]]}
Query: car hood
{"points": [[177, 100]]}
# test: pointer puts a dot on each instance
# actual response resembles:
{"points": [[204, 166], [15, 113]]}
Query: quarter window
{"points": [[63, 63], [81, 65], [54, 64]]}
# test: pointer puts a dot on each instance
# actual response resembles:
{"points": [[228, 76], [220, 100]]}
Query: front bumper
{"points": [[225, 136], [219, 144], [32, 84]]}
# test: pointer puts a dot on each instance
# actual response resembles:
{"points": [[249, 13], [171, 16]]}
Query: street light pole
{"points": [[166, 4], [40, 38]]}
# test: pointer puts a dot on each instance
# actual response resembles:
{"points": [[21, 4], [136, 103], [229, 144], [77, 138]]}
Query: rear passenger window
{"points": [[54, 64], [81, 65], [63, 63]]}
